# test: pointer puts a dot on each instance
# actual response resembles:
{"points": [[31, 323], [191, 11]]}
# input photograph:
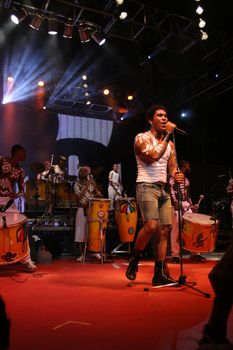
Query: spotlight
{"points": [[84, 32], [85, 86], [106, 92], [68, 29], [120, 10], [19, 15], [10, 79], [199, 10], [88, 102], [41, 83], [130, 97], [84, 77], [123, 14], [98, 36], [53, 24], [204, 35], [36, 21], [202, 23], [86, 94]]}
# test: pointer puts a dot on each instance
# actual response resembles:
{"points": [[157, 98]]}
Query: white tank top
{"points": [[157, 171]]}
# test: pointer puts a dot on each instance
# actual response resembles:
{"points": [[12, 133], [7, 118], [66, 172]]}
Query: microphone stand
{"points": [[182, 278]]}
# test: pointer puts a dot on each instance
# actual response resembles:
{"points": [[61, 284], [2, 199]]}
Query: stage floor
{"points": [[70, 305]]}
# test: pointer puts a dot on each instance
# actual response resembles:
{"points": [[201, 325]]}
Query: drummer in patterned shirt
{"points": [[85, 189], [11, 174], [186, 207]]}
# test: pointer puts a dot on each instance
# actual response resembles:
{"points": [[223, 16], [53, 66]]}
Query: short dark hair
{"points": [[16, 148], [151, 111]]}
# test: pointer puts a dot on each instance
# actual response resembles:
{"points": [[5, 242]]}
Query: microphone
{"points": [[8, 204], [180, 131]]}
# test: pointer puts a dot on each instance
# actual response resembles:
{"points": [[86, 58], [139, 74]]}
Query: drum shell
{"points": [[40, 187], [13, 240], [63, 192], [199, 233], [126, 218], [97, 219]]}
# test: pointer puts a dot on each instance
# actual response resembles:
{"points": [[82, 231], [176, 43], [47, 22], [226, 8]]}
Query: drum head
{"points": [[201, 219], [125, 199], [99, 200], [11, 219]]}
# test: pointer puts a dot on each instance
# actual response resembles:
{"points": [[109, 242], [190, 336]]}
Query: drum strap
{"points": [[83, 193]]}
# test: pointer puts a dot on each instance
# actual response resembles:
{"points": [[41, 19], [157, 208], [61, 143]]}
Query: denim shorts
{"points": [[154, 202]]}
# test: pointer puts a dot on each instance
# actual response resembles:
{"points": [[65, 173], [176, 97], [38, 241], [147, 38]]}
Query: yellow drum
{"points": [[126, 218], [40, 188], [97, 222], [63, 192], [13, 238], [199, 232]]}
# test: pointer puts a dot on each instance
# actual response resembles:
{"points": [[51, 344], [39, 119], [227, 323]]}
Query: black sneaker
{"points": [[132, 270], [197, 258], [161, 280]]}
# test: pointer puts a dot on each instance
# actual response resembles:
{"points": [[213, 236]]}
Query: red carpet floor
{"points": [[70, 305]]}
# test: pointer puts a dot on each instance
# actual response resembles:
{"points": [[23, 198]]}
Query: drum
{"points": [[38, 187], [97, 222], [126, 218], [63, 191], [13, 238], [199, 232]]}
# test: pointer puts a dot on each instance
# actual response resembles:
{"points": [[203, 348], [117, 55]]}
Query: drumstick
{"points": [[200, 199]]}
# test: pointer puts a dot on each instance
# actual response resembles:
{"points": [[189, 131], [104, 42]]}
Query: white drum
{"points": [[199, 232], [13, 238]]}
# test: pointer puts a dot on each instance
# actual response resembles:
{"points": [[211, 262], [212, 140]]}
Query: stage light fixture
{"points": [[84, 32], [199, 10], [85, 86], [202, 23], [36, 21], [106, 92], [204, 35], [98, 36], [10, 78], [84, 77], [130, 97], [52, 26], [68, 29], [18, 15], [123, 14], [120, 11], [41, 83], [88, 102], [86, 94]]}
